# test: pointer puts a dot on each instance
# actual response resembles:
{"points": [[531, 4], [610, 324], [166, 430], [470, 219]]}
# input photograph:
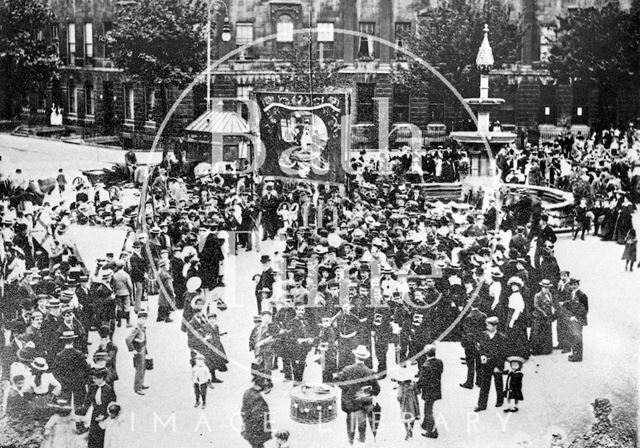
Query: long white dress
{"points": [[115, 432]]}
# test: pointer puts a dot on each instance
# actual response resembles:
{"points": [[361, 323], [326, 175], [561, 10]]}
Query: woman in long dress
{"points": [[517, 342], [541, 332], [115, 428], [60, 430], [210, 259], [408, 399]]}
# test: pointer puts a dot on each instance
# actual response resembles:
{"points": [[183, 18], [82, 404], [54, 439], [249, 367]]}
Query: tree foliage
{"points": [[448, 37], [299, 73], [27, 60], [161, 42], [598, 45]]}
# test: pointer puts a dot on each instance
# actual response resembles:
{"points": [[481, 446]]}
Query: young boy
{"points": [[201, 377], [61, 180], [513, 386]]}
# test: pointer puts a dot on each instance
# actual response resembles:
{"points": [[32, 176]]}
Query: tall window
{"points": [[88, 40], [364, 98], [284, 32], [128, 102], [367, 47], [150, 103], [71, 43], [55, 37], [402, 31], [546, 39], [244, 36], [325, 40], [73, 98], [89, 104], [107, 27], [400, 104]]}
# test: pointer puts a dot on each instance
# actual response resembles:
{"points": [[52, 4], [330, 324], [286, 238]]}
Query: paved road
{"points": [[557, 393], [40, 158]]}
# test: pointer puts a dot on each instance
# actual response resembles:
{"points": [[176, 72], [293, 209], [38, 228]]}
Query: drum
{"points": [[314, 404]]}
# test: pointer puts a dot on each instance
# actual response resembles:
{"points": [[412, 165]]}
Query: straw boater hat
{"points": [[519, 359], [546, 283], [68, 334], [361, 352], [40, 364]]}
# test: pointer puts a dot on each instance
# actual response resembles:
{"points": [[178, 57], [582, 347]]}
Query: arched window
{"points": [[284, 29], [284, 34]]}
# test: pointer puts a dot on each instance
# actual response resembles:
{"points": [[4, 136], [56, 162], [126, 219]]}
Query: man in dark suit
{"points": [[264, 280], [473, 326], [255, 413], [82, 294], [491, 215], [491, 350], [100, 396], [430, 384], [357, 396], [269, 207], [546, 234], [519, 242], [71, 369], [576, 309]]}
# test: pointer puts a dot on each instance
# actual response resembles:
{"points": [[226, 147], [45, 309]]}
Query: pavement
{"points": [[557, 394]]}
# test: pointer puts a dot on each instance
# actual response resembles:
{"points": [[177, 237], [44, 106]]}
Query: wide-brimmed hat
{"points": [[193, 284], [492, 320], [265, 259], [574, 281], [68, 334], [546, 283], [361, 352], [515, 280], [40, 364], [519, 359]]}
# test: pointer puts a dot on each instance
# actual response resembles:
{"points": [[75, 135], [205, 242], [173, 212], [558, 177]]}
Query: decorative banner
{"points": [[111, 239], [302, 134]]}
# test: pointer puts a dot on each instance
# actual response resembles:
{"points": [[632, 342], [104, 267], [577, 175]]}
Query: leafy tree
{"points": [[161, 42], [599, 47], [27, 61], [301, 74], [448, 37]]}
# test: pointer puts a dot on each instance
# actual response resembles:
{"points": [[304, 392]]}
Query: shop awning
{"points": [[219, 122]]}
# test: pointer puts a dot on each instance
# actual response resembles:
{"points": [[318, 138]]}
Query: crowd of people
{"points": [[386, 271], [379, 273]]}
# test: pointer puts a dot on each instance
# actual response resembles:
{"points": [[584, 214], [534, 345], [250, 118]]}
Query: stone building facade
{"points": [[97, 98]]}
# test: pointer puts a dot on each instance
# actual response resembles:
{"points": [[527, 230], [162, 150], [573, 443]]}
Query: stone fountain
{"points": [[474, 141]]}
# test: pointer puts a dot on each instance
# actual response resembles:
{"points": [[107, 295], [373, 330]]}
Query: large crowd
{"points": [[377, 272]]}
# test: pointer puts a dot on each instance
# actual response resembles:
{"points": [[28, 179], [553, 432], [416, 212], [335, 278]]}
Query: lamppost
{"points": [[225, 36]]}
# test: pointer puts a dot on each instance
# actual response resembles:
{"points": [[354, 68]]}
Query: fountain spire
{"points": [[485, 60]]}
